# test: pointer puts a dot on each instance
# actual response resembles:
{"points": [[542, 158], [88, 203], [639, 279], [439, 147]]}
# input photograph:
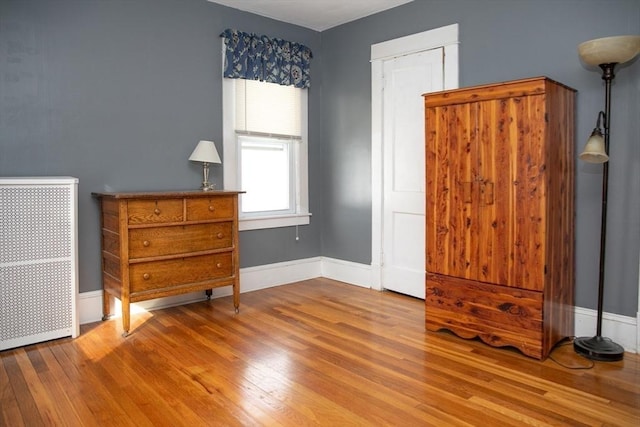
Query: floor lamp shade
{"points": [[608, 50], [595, 151]]}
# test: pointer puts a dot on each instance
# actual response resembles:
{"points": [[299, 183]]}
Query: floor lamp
{"points": [[605, 53]]}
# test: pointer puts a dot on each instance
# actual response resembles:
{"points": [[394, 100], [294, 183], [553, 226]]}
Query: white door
{"points": [[406, 78]]}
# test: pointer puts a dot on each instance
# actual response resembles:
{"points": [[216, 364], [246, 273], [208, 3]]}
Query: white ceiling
{"points": [[317, 15]]}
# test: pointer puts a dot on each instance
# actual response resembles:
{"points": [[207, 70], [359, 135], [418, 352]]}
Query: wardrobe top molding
{"points": [[509, 89]]}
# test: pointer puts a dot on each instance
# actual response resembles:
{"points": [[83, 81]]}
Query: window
{"points": [[265, 174], [265, 152]]}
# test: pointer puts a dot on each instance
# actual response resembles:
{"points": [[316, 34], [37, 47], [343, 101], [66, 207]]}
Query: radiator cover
{"points": [[38, 260]]}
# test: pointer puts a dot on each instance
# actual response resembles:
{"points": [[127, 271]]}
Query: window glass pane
{"points": [[265, 174], [267, 108]]}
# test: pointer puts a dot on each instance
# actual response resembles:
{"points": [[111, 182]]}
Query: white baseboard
{"points": [[346, 271], [251, 279], [620, 329], [623, 330], [90, 306]]}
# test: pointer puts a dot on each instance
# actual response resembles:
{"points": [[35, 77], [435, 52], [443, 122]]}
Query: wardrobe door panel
{"points": [[451, 205], [512, 188]]}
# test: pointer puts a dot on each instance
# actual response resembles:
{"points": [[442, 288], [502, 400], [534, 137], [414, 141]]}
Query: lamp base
{"points": [[598, 348], [206, 185]]}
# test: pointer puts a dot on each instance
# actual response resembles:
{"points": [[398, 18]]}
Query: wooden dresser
{"points": [[161, 244], [500, 213]]}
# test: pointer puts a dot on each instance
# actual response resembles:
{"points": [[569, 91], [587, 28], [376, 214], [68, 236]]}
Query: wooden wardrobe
{"points": [[500, 213]]}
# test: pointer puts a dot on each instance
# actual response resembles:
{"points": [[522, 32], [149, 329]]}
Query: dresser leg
{"points": [[106, 306], [126, 316], [236, 297]]}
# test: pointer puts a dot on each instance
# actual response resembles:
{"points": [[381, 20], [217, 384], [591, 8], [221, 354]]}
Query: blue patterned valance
{"points": [[255, 57]]}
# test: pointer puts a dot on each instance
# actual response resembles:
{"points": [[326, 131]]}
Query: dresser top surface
{"points": [[165, 194]]}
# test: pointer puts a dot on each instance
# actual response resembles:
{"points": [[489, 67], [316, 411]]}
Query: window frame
{"points": [[231, 166]]}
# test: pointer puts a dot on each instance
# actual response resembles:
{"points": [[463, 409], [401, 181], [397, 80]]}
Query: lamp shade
{"points": [[609, 50], [205, 151], [594, 151]]}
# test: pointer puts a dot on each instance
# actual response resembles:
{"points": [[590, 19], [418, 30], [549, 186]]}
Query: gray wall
{"points": [[499, 40], [118, 92]]}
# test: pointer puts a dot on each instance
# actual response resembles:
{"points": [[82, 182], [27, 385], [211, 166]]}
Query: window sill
{"points": [[258, 223]]}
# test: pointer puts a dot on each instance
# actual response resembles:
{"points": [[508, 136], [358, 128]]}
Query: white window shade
{"points": [[267, 108]]}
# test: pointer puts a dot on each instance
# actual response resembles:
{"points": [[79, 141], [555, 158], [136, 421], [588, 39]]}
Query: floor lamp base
{"points": [[598, 348]]}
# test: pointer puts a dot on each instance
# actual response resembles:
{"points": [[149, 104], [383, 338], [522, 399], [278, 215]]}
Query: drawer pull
{"points": [[211, 208], [146, 243], [219, 265], [146, 276], [156, 211], [220, 235]]}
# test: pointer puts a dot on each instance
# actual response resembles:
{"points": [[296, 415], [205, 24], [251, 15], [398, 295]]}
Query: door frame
{"points": [[444, 37]]}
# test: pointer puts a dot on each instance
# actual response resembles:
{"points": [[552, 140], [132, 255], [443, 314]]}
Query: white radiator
{"points": [[38, 260]]}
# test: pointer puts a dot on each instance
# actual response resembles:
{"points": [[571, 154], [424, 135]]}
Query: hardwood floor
{"points": [[317, 352]]}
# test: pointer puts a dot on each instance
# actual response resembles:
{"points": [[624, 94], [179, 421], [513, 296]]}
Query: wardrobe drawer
{"points": [[165, 274], [158, 241], [498, 315], [210, 208], [155, 211]]}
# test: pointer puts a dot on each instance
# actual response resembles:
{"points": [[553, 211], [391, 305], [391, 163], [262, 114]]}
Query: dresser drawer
{"points": [[210, 208], [180, 239], [163, 274], [155, 211]]}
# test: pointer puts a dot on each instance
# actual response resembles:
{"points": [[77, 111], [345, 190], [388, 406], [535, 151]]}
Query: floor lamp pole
{"points": [[598, 347], [607, 76]]}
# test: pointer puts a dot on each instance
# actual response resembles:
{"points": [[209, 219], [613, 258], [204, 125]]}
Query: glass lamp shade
{"points": [[594, 151], [206, 152], [609, 50]]}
